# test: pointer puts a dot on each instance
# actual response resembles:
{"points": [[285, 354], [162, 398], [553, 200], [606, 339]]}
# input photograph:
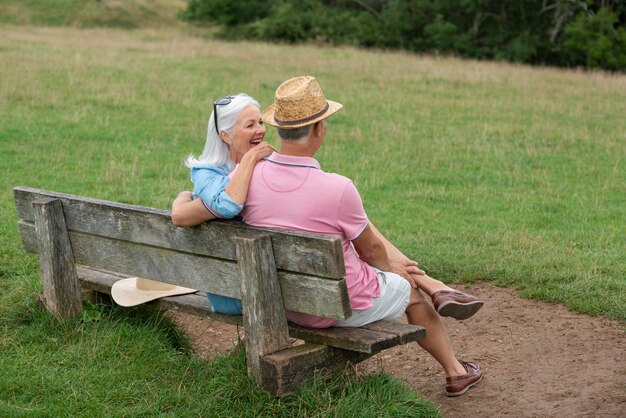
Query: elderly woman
{"points": [[235, 136]]}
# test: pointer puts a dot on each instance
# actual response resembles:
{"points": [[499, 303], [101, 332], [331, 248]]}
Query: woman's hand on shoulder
{"points": [[258, 152]]}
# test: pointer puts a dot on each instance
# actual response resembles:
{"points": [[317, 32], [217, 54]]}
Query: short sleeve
{"points": [[209, 185], [351, 216]]}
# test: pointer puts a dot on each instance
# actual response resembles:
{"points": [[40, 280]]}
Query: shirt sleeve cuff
{"points": [[213, 212], [224, 207], [358, 234]]}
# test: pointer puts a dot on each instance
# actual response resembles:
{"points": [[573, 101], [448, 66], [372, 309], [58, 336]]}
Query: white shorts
{"points": [[395, 293]]}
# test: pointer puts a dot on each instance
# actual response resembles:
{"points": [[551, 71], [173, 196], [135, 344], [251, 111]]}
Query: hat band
{"points": [[303, 120]]}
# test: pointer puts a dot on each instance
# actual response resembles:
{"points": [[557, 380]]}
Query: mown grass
{"points": [[481, 171]]}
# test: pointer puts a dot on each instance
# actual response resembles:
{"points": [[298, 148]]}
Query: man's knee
{"points": [[418, 300], [417, 296]]}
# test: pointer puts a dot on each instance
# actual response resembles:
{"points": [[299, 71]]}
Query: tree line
{"points": [[566, 33]]}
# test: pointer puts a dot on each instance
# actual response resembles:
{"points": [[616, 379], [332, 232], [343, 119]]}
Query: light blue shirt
{"points": [[209, 184]]}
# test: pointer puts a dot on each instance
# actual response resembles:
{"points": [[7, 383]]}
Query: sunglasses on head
{"points": [[220, 102]]}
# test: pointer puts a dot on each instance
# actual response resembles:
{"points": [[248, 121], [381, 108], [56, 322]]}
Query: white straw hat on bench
{"points": [[137, 290]]}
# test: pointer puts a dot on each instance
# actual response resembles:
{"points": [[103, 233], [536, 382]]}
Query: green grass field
{"points": [[480, 171], [127, 14]]}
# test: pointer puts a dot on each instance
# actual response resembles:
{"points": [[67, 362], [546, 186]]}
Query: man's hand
{"points": [[407, 269]]}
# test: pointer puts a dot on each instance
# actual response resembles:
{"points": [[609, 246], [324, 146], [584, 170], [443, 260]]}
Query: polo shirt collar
{"points": [[294, 161]]}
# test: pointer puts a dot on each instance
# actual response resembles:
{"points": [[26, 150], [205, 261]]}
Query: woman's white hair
{"points": [[216, 151]]}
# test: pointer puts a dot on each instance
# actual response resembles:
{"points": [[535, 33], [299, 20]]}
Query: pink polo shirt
{"points": [[294, 193]]}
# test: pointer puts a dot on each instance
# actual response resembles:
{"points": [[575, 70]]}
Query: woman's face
{"points": [[247, 132]]}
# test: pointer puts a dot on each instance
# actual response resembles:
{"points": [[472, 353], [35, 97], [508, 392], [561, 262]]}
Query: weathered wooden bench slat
{"points": [[61, 292], [361, 339], [264, 317], [302, 293], [293, 250], [367, 340], [406, 333]]}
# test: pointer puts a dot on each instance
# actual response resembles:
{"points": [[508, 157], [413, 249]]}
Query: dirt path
{"points": [[539, 360]]}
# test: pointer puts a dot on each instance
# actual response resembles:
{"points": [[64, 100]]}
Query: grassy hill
{"points": [[127, 14]]}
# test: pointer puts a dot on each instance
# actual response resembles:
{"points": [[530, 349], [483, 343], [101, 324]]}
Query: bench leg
{"points": [[61, 291], [286, 371], [264, 319]]}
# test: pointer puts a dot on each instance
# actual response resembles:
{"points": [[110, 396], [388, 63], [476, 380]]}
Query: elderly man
{"points": [[289, 190]]}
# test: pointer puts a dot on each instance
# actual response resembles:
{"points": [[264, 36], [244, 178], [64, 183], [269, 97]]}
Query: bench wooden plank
{"points": [[295, 251], [302, 293], [263, 311], [406, 333], [353, 339], [61, 292], [383, 334]]}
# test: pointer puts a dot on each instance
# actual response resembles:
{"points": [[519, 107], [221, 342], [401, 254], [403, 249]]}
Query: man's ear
{"points": [[319, 127]]}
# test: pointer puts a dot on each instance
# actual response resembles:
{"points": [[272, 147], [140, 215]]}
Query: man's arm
{"points": [[396, 257], [372, 249]]}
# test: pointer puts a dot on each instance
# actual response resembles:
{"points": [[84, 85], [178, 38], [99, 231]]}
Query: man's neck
{"points": [[297, 149]]}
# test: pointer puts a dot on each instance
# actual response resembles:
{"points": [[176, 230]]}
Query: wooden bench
{"points": [[87, 245]]}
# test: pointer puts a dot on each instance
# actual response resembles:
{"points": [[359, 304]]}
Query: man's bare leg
{"points": [[437, 343], [459, 376]]}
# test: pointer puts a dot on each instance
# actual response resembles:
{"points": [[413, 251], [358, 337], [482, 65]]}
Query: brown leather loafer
{"points": [[458, 385], [457, 305]]}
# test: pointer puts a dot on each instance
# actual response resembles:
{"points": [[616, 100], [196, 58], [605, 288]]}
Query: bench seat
{"points": [[369, 339]]}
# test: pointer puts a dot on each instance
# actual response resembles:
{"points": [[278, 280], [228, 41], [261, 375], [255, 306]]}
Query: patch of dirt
{"points": [[538, 359]]}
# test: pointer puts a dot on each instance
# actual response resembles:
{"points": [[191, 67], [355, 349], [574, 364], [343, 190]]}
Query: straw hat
{"points": [[298, 102], [137, 290]]}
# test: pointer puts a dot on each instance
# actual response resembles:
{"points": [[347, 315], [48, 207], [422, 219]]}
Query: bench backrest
{"points": [[140, 241]]}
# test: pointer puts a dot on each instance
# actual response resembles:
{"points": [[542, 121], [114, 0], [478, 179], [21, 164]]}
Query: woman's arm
{"points": [[224, 202], [188, 212], [237, 188]]}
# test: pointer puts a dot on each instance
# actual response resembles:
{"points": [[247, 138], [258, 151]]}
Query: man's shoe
{"points": [[458, 385], [455, 304]]}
